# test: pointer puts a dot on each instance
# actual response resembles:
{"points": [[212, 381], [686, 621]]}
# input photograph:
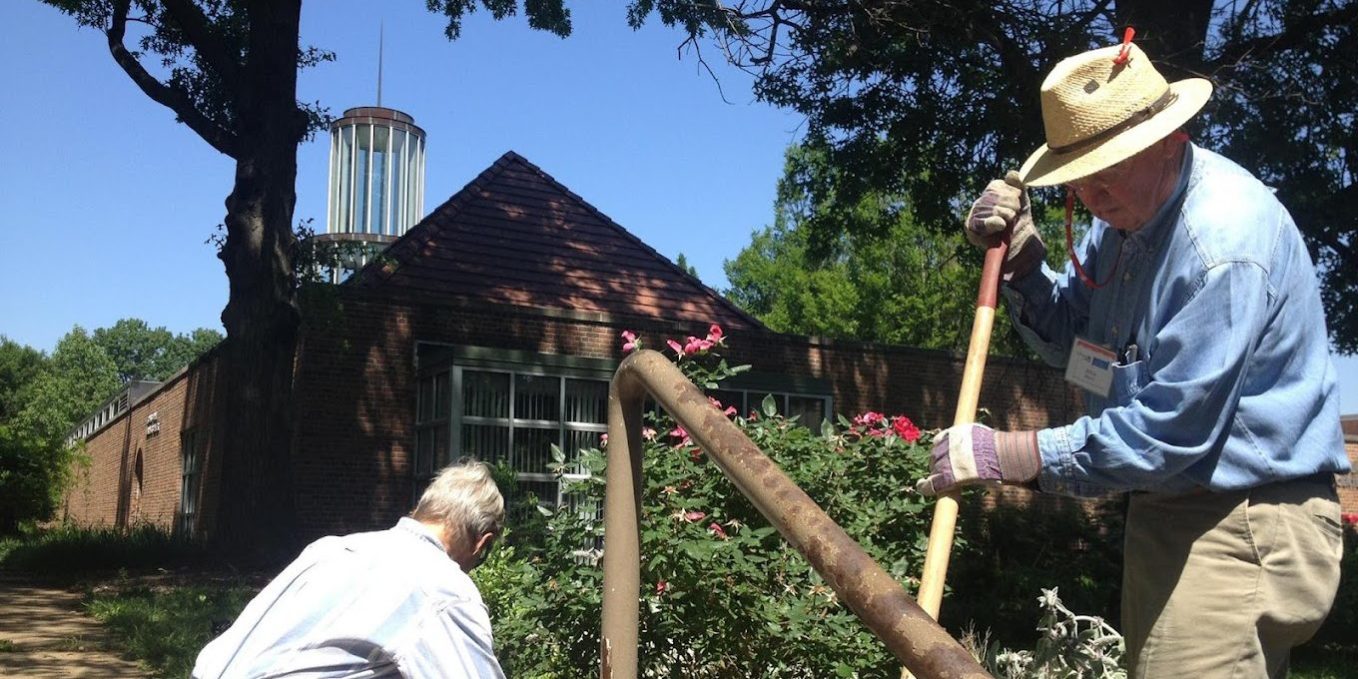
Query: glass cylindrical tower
{"points": [[376, 188], [376, 173]]}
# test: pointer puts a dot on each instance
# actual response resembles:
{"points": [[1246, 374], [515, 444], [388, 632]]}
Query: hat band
{"points": [[1136, 118]]}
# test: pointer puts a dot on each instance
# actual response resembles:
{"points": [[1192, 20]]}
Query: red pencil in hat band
{"points": [[1126, 52]]}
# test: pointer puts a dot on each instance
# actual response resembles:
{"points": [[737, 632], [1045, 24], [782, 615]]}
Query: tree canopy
{"points": [[42, 398], [886, 277], [35, 460], [228, 70], [141, 352], [931, 99]]}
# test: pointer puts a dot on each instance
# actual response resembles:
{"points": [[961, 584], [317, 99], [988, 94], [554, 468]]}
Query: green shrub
{"points": [[69, 550], [1012, 552], [724, 594]]}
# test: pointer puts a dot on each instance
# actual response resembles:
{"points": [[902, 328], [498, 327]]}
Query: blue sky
{"points": [[107, 203]]}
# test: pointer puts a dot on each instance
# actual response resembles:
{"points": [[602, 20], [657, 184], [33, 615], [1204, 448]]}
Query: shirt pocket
{"points": [[1128, 381]]}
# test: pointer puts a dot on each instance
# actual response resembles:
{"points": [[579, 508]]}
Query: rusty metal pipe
{"points": [[883, 605]]}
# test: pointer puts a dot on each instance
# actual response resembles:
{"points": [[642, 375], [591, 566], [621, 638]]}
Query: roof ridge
{"points": [[381, 268], [629, 235]]}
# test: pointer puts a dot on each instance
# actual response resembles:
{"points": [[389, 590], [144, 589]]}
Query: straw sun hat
{"points": [[1097, 112]]}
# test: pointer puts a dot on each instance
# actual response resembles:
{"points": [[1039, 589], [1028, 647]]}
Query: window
{"points": [[510, 416], [188, 490]]}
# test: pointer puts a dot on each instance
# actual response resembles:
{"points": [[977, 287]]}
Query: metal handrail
{"points": [[883, 605]]}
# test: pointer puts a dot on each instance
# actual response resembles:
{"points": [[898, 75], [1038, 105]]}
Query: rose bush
{"points": [[723, 593]]}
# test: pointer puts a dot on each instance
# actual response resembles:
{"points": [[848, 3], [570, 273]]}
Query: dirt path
{"points": [[45, 633]]}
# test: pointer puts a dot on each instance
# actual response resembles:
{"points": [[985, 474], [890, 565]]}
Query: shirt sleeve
{"points": [[1178, 401], [1049, 309], [455, 642]]}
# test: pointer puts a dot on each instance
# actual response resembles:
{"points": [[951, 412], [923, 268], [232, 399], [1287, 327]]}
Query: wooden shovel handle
{"points": [[945, 510]]}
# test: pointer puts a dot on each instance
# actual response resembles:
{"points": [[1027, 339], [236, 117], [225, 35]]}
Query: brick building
{"points": [[491, 329]]}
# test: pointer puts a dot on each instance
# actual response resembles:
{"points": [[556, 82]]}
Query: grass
{"points": [[69, 551], [164, 626], [7, 646]]}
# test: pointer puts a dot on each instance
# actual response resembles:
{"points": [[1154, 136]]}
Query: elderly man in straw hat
{"points": [[1190, 317], [392, 603]]}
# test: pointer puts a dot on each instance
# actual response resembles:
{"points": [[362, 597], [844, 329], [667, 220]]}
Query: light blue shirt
{"points": [[372, 605], [1230, 384]]}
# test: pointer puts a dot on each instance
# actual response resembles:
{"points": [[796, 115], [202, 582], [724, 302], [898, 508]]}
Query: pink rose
{"points": [[694, 345], [661, 586], [679, 433], [715, 335], [678, 350], [603, 439], [632, 343], [694, 516], [869, 419], [717, 530]]}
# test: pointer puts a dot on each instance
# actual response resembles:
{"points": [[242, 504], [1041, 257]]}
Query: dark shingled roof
{"points": [[516, 236]]}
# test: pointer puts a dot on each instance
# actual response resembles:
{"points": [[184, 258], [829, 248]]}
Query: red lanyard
{"points": [[1070, 248]]}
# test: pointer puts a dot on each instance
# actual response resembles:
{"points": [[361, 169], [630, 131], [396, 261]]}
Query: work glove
{"points": [[1005, 202], [968, 454]]}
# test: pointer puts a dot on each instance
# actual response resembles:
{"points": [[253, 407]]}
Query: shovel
{"points": [[945, 510]]}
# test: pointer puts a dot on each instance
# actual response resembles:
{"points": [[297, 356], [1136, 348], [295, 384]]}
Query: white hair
{"points": [[464, 498]]}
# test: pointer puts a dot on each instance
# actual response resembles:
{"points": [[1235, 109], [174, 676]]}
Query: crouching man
{"points": [[392, 603]]}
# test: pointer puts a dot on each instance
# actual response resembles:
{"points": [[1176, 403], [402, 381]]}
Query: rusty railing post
{"points": [[883, 605]]}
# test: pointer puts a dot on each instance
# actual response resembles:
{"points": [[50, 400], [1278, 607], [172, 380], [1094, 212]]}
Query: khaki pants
{"points": [[1225, 584]]}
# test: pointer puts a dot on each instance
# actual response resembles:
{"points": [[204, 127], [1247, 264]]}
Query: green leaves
{"points": [[722, 593], [897, 282]]}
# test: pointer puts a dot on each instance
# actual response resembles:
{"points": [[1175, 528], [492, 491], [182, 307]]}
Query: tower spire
{"points": [[380, 30]]}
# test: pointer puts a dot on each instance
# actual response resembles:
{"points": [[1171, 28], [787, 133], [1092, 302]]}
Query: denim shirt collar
{"points": [[419, 530]]}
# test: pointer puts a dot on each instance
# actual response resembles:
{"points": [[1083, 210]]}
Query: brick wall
{"points": [[355, 402], [1348, 483], [357, 374], [113, 490]]}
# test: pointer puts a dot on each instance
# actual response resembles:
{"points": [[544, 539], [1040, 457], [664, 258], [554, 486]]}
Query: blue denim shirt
{"points": [[1231, 385]]}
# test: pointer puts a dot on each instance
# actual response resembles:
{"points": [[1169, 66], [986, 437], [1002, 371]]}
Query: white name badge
{"points": [[1091, 367]]}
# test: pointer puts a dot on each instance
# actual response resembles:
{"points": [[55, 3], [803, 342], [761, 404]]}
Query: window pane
{"points": [[575, 440], [443, 388], [810, 408], [533, 449], [488, 443], [362, 187], [424, 451], [537, 398], [485, 394], [586, 401], [426, 398], [441, 446]]}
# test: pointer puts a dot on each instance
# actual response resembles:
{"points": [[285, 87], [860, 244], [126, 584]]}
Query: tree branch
{"points": [[170, 98], [208, 44], [1294, 35]]}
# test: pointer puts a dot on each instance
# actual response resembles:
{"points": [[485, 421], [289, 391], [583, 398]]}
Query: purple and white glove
{"points": [[1004, 203], [968, 454]]}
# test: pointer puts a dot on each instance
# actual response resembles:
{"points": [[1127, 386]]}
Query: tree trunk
{"points": [[255, 518]]}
